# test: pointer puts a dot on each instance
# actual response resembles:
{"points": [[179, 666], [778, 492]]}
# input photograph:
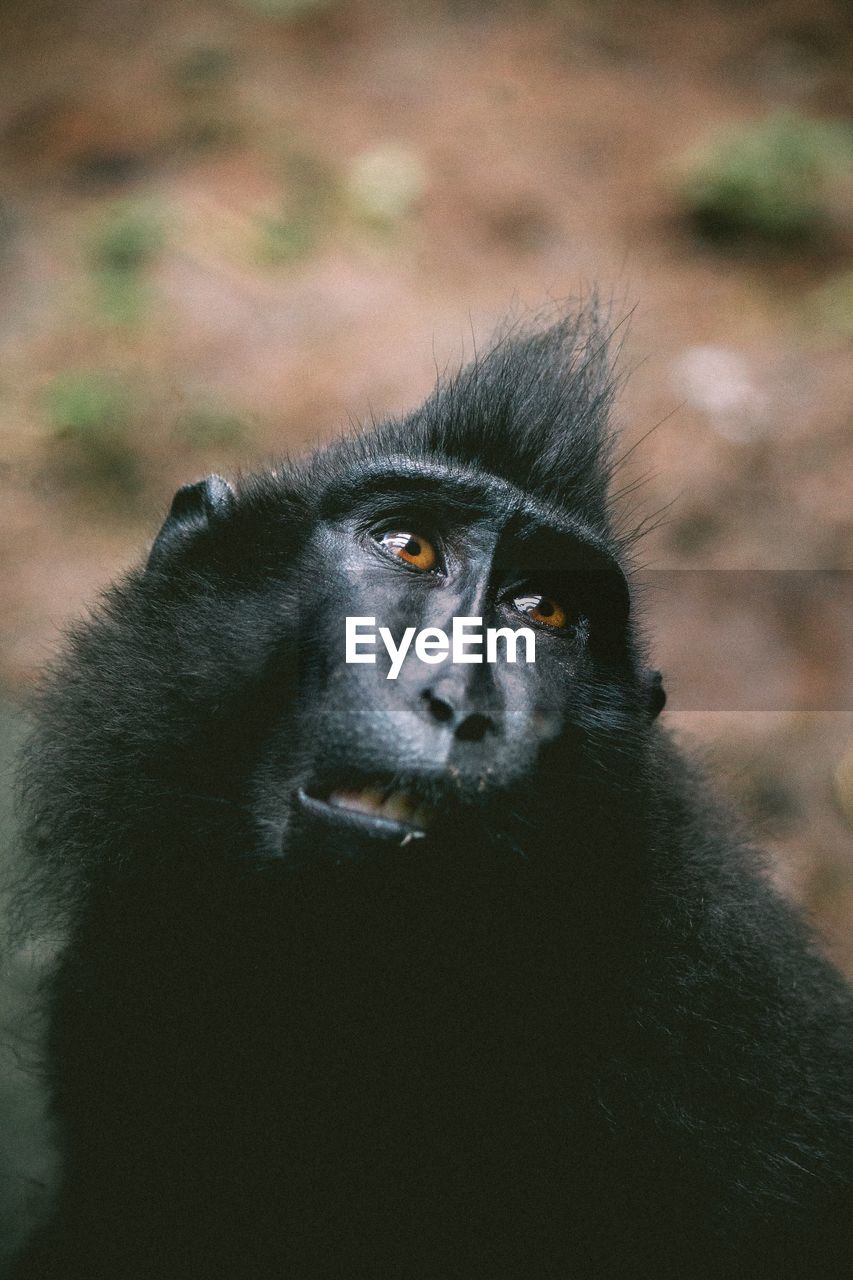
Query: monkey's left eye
{"points": [[542, 609], [411, 547]]}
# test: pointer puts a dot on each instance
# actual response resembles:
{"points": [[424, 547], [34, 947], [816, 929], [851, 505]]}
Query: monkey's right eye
{"points": [[411, 547]]}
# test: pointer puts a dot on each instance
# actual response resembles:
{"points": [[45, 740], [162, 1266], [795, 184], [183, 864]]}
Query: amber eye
{"points": [[542, 609], [410, 547]]}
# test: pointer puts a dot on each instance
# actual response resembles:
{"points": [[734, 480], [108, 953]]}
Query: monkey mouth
{"points": [[383, 811]]}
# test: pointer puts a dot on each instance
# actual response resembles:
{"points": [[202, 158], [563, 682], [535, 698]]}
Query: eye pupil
{"points": [[414, 549], [542, 609]]}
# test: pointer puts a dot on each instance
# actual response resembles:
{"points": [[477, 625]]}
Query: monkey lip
{"points": [[380, 811]]}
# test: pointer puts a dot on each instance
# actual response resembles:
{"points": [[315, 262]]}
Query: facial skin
{"points": [[409, 760]]}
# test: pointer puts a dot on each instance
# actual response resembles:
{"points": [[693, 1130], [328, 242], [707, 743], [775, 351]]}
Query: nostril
{"points": [[473, 728], [438, 708], [467, 728]]}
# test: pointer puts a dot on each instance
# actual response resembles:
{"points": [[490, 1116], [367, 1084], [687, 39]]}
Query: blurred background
{"points": [[228, 227]]}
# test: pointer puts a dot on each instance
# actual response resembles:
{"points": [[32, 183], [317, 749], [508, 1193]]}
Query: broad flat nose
{"points": [[447, 703]]}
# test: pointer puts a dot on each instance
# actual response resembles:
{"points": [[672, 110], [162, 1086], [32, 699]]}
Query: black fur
{"points": [[572, 1033]]}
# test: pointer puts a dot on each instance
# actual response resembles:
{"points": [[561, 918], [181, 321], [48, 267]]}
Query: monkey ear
{"points": [[655, 694], [194, 508]]}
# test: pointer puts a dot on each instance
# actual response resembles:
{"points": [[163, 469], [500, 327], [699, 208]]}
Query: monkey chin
{"points": [[341, 819], [390, 820]]}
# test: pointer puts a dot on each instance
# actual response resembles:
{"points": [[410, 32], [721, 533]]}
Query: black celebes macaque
{"points": [[455, 976]]}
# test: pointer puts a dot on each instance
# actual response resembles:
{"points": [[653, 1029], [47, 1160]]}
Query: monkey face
{"points": [[414, 714], [404, 744]]}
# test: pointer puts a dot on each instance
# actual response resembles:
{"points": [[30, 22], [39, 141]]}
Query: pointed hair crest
{"points": [[533, 409]]}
